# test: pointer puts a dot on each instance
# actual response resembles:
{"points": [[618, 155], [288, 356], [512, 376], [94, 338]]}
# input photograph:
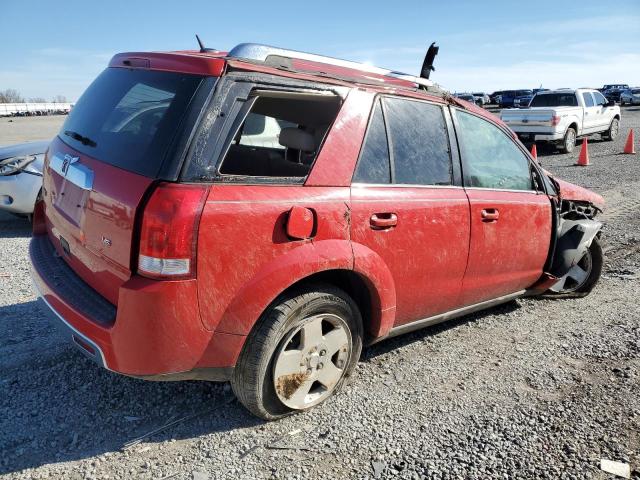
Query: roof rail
{"points": [[260, 53]]}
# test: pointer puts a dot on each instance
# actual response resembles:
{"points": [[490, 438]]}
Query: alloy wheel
{"points": [[311, 360], [576, 277]]}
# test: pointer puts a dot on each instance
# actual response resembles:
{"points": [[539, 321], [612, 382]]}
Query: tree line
{"points": [[11, 95]]}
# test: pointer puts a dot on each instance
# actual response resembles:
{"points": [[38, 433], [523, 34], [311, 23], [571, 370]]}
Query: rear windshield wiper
{"points": [[80, 138]]}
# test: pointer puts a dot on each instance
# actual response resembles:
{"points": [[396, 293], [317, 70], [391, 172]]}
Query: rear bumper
{"points": [[538, 137], [156, 332]]}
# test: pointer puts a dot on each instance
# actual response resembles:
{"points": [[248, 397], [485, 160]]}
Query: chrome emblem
{"points": [[67, 162], [106, 241]]}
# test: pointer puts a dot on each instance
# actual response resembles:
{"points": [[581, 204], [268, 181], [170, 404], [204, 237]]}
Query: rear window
{"points": [[554, 100], [128, 118]]}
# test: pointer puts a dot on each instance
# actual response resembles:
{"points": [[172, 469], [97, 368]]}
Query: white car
{"points": [[561, 116], [630, 96], [21, 176], [482, 98]]}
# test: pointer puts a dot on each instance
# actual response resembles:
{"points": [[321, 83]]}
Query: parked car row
{"points": [[613, 91], [520, 98], [630, 96]]}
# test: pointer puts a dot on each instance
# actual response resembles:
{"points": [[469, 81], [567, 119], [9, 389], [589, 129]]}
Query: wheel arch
{"points": [[368, 282]]}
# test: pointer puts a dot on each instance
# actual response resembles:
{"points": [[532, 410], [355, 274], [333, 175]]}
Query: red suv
{"points": [[258, 215]]}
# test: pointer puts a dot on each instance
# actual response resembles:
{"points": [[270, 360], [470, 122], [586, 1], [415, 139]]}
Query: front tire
{"points": [[569, 141], [582, 277], [299, 353], [612, 133]]}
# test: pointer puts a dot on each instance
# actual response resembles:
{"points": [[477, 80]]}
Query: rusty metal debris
{"points": [[277, 444], [171, 423]]}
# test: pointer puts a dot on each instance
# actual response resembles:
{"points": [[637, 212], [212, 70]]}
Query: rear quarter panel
{"points": [[245, 258]]}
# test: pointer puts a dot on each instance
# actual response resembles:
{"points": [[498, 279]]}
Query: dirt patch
{"points": [[287, 385]]}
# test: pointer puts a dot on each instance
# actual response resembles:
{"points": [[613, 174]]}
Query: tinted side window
{"points": [[600, 100], [419, 142], [373, 165], [588, 99], [490, 158]]}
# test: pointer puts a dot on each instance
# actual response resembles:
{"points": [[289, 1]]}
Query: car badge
{"points": [[106, 241], [67, 162]]}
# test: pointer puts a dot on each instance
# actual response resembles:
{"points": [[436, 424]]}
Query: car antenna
{"points": [[203, 49], [427, 65]]}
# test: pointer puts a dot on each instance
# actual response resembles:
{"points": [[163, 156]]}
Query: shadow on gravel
{"points": [[14, 227], [420, 335], [57, 406]]}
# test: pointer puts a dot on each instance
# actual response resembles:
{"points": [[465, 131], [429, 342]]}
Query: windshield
{"points": [[128, 118], [554, 100]]}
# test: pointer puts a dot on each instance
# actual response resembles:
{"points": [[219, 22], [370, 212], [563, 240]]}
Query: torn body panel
{"points": [[576, 227]]}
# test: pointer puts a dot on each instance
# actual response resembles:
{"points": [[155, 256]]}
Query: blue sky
{"points": [[52, 48]]}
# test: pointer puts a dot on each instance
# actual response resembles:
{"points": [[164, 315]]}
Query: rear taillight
{"points": [[169, 231], [555, 120]]}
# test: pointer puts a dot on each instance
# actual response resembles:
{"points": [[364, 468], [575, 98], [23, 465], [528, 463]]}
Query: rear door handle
{"points": [[490, 214], [380, 221]]}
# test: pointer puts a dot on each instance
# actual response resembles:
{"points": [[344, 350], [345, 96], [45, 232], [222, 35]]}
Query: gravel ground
{"points": [[532, 389]]}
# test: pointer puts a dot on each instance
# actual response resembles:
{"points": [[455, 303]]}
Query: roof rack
{"points": [[261, 53]]}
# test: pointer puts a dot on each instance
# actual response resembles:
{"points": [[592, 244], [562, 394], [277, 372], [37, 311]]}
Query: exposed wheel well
{"points": [[352, 283], [574, 126]]}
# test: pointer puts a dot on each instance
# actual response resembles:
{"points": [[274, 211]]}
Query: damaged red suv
{"points": [[258, 215]]}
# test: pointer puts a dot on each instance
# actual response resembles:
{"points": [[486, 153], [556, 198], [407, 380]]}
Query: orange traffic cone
{"points": [[583, 159], [629, 146], [534, 152]]}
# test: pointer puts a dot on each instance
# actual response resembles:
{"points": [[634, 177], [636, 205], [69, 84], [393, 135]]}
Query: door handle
{"points": [[490, 214], [380, 221]]}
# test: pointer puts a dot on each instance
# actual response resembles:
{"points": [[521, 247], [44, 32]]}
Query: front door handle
{"points": [[490, 214], [380, 221]]}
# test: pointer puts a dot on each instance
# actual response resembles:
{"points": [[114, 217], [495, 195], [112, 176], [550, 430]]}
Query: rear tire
{"points": [[612, 133], [569, 141], [288, 332]]}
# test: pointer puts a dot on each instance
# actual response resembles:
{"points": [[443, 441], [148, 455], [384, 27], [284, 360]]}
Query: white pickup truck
{"points": [[561, 116]]}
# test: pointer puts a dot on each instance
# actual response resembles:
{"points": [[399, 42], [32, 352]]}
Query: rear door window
{"points": [[490, 158], [373, 165], [600, 99], [128, 118], [588, 99], [419, 142]]}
